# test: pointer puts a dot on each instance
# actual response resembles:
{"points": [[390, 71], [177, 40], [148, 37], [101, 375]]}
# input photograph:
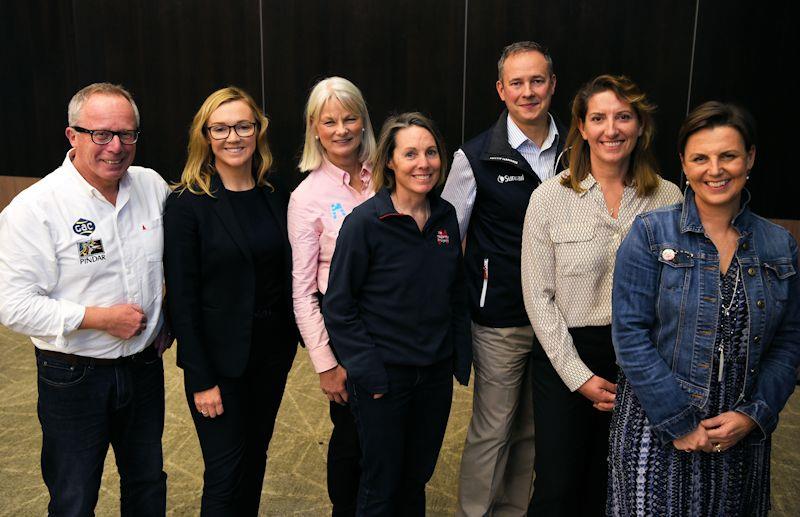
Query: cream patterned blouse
{"points": [[569, 247]]}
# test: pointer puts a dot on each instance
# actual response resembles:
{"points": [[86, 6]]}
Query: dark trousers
{"points": [[571, 436], [83, 409], [344, 461], [401, 435], [344, 457], [234, 444]]}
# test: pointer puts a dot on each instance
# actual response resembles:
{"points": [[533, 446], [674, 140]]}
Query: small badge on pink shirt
{"points": [[337, 210]]}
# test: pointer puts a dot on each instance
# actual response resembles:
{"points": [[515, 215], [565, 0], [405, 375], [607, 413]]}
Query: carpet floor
{"points": [[295, 480]]}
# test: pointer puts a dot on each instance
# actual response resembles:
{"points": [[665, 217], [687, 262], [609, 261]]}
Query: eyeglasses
{"points": [[104, 136], [221, 131]]}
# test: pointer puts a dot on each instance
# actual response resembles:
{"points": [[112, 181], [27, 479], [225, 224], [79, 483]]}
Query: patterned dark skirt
{"points": [[647, 478]]}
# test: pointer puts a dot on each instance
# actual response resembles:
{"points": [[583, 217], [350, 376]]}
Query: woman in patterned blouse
{"points": [[573, 226]]}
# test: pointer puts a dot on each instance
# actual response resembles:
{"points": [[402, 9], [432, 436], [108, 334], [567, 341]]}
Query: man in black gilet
{"points": [[490, 183]]}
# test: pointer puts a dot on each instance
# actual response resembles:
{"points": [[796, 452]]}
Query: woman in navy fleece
{"points": [[397, 317]]}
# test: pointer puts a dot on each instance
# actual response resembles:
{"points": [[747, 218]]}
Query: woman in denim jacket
{"points": [[706, 327]]}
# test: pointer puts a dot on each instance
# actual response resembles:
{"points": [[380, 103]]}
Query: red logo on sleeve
{"points": [[442, 237]]}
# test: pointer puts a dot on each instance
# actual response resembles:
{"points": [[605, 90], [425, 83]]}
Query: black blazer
{"points": [[209, 272]]}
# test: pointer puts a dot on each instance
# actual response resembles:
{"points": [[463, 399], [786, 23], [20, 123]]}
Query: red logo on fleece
{"points": [[442, 237]]}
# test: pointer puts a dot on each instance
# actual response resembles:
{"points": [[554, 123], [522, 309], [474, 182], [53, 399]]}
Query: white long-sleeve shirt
{"points": [[64, 247]]}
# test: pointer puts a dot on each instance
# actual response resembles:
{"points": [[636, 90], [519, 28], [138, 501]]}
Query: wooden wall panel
{"points": [[649, 41], [171, 55], [402, 54], [793, 225], [744, 55], [10, 186], [38, 62]]}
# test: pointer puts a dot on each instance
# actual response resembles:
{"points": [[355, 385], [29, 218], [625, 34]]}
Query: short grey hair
{"points": [[80, 98], [523, 46]]}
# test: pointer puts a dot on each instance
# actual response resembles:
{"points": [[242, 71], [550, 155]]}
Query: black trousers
{"points": [[401, 434], [234, 444], [344, 457], [571, 436]]}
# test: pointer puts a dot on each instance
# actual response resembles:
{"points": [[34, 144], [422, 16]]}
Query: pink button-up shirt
{"points": [[317, 209]]}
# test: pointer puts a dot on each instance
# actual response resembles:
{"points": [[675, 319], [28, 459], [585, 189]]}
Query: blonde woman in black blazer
{"points": [[227, 265]]}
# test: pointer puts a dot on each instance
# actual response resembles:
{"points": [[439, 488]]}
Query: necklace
{"points": [[727, 309], [727, 332]]}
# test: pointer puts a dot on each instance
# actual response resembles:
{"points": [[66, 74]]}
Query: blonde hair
{"points": [[80, 98], [642, 164], [382, 174], [199, 168], [350, 96]]}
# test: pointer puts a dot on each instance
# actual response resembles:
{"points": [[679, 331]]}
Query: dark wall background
{"points": [[436, 56]]}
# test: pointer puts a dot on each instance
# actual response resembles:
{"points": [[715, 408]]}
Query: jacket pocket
{"points": [[697, 395], [777, 274], [676, 266]]}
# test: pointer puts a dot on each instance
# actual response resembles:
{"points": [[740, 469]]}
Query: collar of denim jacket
{"points": [[690, 219]]}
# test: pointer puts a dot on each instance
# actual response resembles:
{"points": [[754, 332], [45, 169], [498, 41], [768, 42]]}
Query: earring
{"points": [[363, 130], [316, 137]]}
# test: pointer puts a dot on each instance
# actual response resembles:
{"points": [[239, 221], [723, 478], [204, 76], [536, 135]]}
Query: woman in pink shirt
{"points": [[339, 145]]}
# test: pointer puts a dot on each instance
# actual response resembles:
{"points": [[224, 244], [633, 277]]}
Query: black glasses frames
{"points": [[104, 136], [221, 131]]}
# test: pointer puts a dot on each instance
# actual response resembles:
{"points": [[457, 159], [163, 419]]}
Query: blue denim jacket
{"points": [[665, 309]]}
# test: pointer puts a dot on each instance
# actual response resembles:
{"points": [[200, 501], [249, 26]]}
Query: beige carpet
{"points": [[295, 482]]}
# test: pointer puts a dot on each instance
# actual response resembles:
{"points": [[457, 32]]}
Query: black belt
{"points": [[148, 354]]}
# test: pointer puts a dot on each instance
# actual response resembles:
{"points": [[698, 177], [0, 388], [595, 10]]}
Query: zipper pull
{"points": [[721, 363], [485, 281]]}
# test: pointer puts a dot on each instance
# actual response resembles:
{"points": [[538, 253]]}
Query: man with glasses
{"points": [[80, 272], [490, 183]]}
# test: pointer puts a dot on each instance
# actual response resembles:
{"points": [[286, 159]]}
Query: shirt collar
{"points": [[342, 177], [87, 188], [587, 183], [516, 137], [690, 218], [385, 207]]}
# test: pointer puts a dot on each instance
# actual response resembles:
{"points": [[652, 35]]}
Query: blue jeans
{"points": [[401, 434], [85, 408]]}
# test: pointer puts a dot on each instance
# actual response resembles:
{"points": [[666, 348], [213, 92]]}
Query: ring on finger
{"points": [[717, 447]]}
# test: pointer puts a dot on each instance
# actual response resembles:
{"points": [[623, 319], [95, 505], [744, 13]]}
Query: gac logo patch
{"points": [[91, 251], [442, 237], [83, 227]]}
